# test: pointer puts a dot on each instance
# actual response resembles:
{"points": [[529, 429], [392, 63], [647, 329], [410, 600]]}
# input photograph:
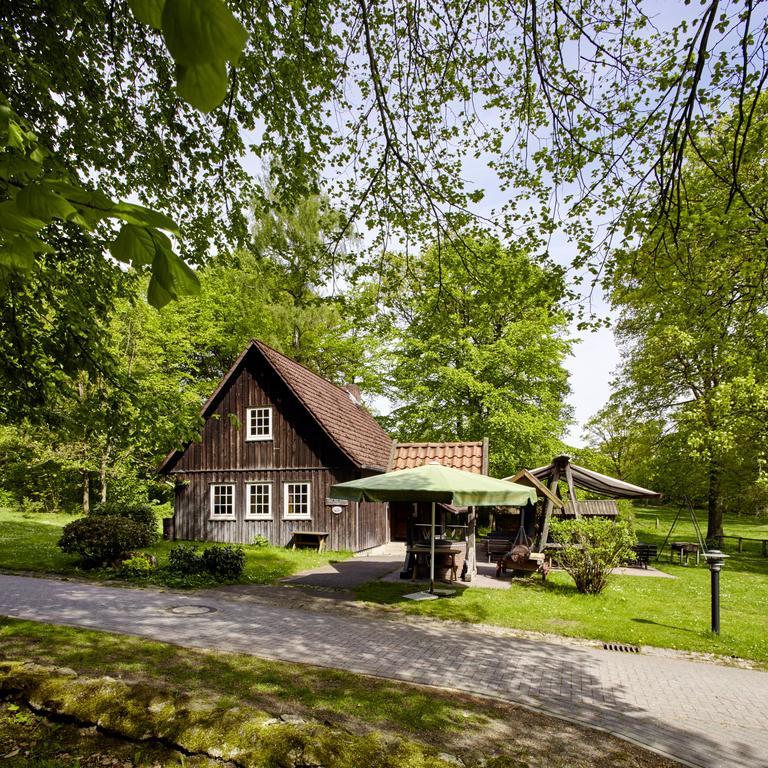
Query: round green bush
{"points": [[185, 560], [100, 540], [224, 562], [138, 512], [138, 565]]}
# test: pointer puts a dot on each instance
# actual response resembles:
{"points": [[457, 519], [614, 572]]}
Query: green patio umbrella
{"points": [[436, 483]]}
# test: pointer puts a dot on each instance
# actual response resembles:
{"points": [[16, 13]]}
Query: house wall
{"points": [[298, 452]]}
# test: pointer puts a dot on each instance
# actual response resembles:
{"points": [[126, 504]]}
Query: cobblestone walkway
{"points": [[704, 714]]}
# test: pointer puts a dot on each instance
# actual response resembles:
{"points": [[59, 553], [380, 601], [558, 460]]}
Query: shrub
{"points": [[138, 565], [260, 541], [31, 506], [185, 559], [100, 540], [224, 562], [590, 548], [139, 512]]}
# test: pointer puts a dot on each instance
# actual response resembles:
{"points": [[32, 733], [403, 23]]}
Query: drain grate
{"points": [[621, 648], [191, 610]]}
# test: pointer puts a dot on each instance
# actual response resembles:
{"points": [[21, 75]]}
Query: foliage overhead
{"points": [[577, 109]]}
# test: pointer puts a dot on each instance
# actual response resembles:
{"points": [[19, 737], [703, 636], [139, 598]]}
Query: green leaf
{"points": [[40, 201], [157, 296], [15, 136], [134, 245], [16, 260], [202, 31], [143, 217], [170, 274], [82, 195], [29, 245], [204, 86], [13, 219], [148, 11]]}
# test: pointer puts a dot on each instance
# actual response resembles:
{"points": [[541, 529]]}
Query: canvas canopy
{"points": [[438, 483], [589, 480]]}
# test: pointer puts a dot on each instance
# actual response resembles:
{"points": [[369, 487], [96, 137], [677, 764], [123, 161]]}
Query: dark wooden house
{"points": [[276, 437]]}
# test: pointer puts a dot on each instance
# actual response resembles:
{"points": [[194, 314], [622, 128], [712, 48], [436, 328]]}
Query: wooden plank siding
{"points": [[299, 451], [359, 526]]}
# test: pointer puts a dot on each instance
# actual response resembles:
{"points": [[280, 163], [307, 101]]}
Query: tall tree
{"points": [[693, 313], [477, 350]]}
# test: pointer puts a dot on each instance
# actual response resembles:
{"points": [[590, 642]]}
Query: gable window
{"points": [[296, 501], [223, 501], [258, 423], [258, 501]]}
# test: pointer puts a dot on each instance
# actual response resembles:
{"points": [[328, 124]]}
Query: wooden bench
{"points": [[523, 561], [497, 545], [644, 553], [316, 539]]}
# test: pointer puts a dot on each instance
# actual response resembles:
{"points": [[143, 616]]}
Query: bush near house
{"points": [[223, 562], [591, 548], [140, 512], [102, 540]]}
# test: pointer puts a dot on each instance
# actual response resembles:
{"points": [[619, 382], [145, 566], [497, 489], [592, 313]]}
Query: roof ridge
{"points": [[292, 380], [340, 387], [440, 442]]}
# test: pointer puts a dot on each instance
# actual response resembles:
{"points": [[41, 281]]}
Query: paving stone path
{"points": [[703, 714]]}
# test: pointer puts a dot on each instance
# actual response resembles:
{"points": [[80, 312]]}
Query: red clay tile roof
{"points": [[467, 456], [349, 425]]}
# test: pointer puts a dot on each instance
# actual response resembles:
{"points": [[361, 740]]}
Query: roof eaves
{"points": [[176, 453]]}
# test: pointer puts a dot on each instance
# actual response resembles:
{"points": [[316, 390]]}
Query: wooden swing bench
{"points": [[521, 559]]}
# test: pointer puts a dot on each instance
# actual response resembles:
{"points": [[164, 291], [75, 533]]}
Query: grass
{"points": [[28, 543], [669, 613], [202, 699]]}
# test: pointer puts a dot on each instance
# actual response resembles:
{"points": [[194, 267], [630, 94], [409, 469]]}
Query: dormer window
{"points": [[258, 423]]}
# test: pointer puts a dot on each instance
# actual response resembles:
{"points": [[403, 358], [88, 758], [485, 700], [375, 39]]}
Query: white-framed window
{"points": [[258, 501], [296, 501], [222, 501], [258, 423]]}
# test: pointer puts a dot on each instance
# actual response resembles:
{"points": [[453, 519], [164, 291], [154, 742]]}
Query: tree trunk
{"points": [[714, 503], [86, 492], [103, 478]]}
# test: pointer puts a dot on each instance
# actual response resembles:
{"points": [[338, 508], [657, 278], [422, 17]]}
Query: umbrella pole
{"points": [[432, 554]]}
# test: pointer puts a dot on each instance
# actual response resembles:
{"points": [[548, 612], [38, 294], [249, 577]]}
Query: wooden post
{"points": [[571, 489], [471, 545], [553, 480], [741, 543], [765, 547]]}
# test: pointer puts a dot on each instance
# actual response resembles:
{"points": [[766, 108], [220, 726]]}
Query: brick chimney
{"points": [[354, 393]]}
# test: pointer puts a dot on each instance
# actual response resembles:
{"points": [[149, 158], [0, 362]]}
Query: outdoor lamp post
{"points": [[715, 560]]}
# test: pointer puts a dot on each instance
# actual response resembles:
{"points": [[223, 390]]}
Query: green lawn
{"points": [[205, 701], [28, 543], [639, 610]]}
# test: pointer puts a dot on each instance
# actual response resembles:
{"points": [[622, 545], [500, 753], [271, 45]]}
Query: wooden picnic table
{"points": [[686, 548], [423, 550], [312, 538]]}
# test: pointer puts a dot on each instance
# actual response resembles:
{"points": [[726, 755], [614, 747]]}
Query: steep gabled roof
{"points": [[470, 456], [348, 424]]}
